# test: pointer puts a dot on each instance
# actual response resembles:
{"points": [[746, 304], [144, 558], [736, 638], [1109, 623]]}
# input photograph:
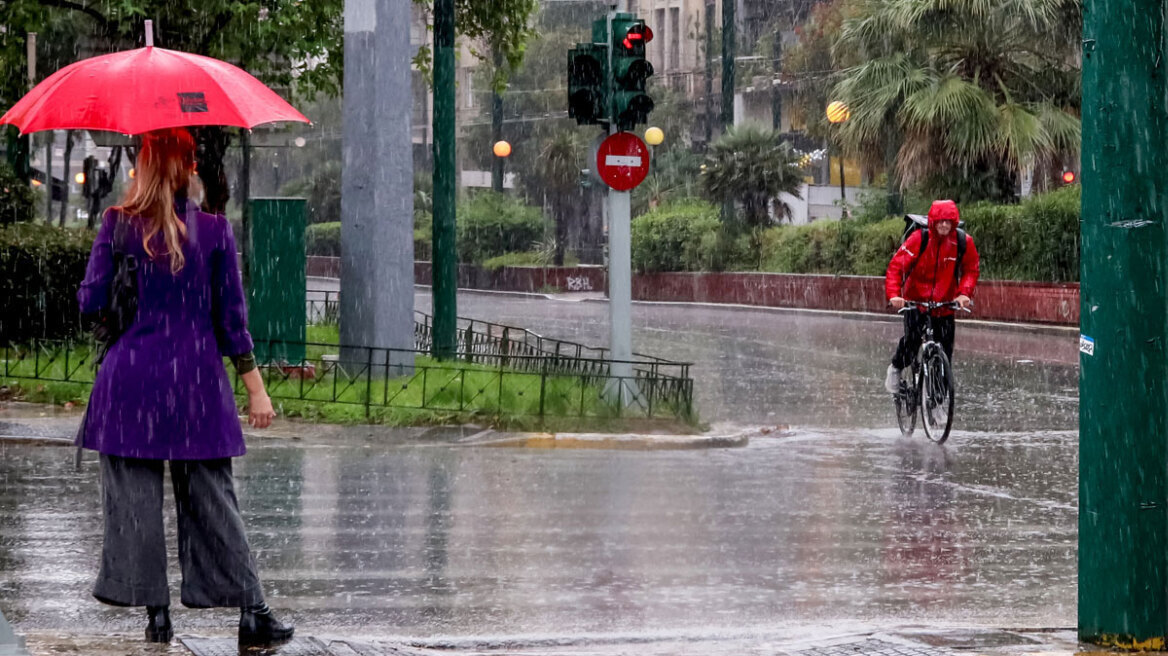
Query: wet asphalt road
{"points": [[841, 520]]}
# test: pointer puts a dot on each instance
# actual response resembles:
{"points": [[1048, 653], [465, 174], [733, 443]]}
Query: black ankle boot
{"points": [[158, 628], [258, 626]]}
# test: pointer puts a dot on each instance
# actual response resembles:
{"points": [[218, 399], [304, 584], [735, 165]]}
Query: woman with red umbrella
{"points": [[162, 393]]}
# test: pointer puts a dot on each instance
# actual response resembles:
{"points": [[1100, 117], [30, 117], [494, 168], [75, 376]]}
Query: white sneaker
{"points": [[892, 380]]}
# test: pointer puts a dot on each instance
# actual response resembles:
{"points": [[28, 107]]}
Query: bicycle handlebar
{"points": [[933, 305]]}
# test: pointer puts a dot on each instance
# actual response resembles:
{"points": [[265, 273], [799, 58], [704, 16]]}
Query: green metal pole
{"points": [[245, 248], [710, 16], [729, 52], [445, 261], [1123, 409], [497, 163]]}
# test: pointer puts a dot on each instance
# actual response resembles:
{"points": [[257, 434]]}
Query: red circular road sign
{"points": [[623, 161]]}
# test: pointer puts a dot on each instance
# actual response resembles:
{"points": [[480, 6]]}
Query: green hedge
{"points": [[41, 268], [492, 224], [1037, 239], [323, 239], [684, 236]]}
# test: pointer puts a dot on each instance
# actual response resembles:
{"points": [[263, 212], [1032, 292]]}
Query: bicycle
{"points": [[930, 392]]}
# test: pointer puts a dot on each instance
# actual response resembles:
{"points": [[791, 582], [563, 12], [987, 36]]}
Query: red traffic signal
{"points": [[1069, 177], [639, 34]]}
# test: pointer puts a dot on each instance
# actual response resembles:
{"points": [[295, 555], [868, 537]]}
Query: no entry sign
{"points": [[623, 161]]}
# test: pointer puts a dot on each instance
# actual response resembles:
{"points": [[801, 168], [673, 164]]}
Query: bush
{"points": [[1035, 240], [41, 268], [17, 200], [492, 224], [997, 231], [683, 236], [1050, 235], [820, 247], [323, 239]]}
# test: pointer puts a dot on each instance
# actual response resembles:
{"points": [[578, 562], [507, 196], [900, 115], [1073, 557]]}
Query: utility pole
{"points": [[1123, 374], [445, 260]]}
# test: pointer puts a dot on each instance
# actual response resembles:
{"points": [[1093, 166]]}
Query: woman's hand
{"points": [[259, 405], [259, 410]]}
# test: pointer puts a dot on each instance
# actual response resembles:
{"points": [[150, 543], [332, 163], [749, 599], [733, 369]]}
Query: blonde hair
{"points": [[163, 167]]}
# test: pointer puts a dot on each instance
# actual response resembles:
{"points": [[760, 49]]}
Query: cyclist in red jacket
{"points": [[944, 270]]}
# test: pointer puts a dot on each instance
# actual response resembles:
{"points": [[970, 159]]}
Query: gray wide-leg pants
{"points": [[217, 566]]}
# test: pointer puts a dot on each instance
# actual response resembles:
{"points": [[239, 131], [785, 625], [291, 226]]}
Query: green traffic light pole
{"points": [[1123, 409], [444, 261]]}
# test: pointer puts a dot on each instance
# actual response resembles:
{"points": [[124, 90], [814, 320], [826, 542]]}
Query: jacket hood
{"points": [[943, 210]]}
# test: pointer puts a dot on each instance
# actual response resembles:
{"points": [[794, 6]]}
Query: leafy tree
{"points": [[971, 92]]}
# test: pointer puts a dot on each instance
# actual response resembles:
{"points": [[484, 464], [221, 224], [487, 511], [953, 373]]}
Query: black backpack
{"points": [[917, 223]]}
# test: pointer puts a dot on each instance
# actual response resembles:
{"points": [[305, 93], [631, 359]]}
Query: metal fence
{"points": [[485, 342], [380, 380]]}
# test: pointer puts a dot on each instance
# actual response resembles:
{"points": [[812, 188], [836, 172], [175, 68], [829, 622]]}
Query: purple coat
{"points": [[163, 392]]}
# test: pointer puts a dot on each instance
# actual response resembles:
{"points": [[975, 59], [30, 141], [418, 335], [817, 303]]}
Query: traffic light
{"points": [[630, 70], [587, 97]]}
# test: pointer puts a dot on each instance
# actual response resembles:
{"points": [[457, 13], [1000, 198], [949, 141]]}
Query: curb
{"points": [[611, 442]]}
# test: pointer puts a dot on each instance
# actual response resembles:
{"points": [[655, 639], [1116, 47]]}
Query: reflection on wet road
{"points": [[445, 540]]}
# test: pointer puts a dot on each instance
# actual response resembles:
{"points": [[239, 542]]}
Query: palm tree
{"points": [[752, 165], [559, 179], [971, 92]]}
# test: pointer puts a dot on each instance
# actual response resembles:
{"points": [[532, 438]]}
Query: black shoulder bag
{"points": [[122, 307]]}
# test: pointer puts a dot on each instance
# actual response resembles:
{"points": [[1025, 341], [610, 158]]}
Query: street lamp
{"points": [[502, 150], [837, 113], [654, 136]]}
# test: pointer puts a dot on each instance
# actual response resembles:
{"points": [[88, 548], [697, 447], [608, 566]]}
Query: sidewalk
{"points": [[51, 425], [913, 640]]}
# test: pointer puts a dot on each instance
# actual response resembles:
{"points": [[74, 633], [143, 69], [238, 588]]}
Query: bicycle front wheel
{"points": [[905, 401], [937, 395]]}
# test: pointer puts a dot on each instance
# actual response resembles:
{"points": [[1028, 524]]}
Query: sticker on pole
{"points": [[1086, 345], [623, 161]]}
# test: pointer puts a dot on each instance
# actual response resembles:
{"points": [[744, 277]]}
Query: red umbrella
{"points": [[147, 89]]}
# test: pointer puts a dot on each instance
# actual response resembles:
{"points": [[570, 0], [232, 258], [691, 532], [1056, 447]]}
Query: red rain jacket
{"points": [[934, 277]]}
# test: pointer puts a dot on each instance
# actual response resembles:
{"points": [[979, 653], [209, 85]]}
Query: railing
{"points": [[485, 342], [378, 379]]}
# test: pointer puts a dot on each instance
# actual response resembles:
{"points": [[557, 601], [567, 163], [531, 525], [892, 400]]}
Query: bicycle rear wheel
{"points": [[937, 395], [905, 401]]}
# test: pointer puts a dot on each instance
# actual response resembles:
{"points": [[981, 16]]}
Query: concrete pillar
{"points": [[377, 204]]}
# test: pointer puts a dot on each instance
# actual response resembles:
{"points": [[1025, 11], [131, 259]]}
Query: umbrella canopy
{"points": [[148, 89]]}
